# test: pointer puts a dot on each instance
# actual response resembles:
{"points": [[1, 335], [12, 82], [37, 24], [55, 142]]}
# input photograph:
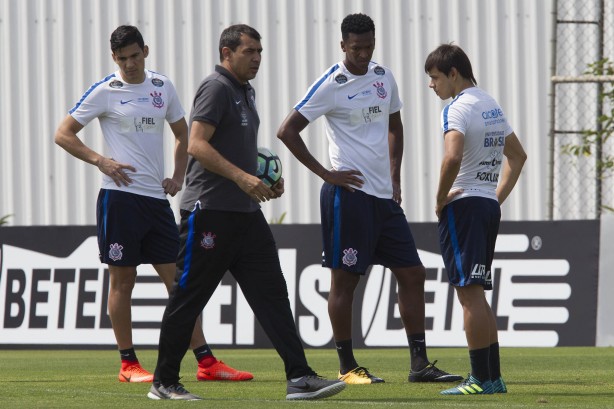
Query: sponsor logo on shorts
{"points": [[208, 241], [478, 272], [115, 252], [350, 257]]}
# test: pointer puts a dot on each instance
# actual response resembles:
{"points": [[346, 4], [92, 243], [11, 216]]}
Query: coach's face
{"points": [[243, 62], [131, 62], [358, 49]]}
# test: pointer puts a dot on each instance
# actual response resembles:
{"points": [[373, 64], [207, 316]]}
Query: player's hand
{"points": [[442, 203], [396, 192], [116, 171], [171, 186], [347, 179], [278, 188], [255, 188]]}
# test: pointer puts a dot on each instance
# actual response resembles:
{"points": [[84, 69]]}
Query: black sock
{"points": [[479, 364], [494, 362], [417, 352], [347, 362], [128, 355], [204, 352]]}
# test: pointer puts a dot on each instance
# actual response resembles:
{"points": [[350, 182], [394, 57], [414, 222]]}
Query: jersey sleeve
{"points": [[210, 102], [93, 104], [508, 128], [395, 100], [175, 110], [454, 118], [319, 99]]}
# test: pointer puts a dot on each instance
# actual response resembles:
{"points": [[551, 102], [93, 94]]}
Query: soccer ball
{"points": [[269, 166]]}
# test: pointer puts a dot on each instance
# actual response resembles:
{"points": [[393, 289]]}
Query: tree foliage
{"points": [[598, 137]]}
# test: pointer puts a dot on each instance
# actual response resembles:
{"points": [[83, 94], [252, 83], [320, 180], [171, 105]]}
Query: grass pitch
{"points": [[536, 378]]}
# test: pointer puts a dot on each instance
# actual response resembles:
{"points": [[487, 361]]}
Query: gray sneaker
{"points": [[173, 392], [313, 387]]}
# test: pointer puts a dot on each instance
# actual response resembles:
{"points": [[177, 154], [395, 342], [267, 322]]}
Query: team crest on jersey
{"points": [[350, 257], [158, 102], [115, 252], [379, 70], [341, 79], [208, 241], [381, 91], [116, 84], [157, 82]]}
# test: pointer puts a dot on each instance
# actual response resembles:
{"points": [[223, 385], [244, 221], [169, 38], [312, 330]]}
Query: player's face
{"points": [[358, 49], [131, 63], [244, 62], [441, 84]]}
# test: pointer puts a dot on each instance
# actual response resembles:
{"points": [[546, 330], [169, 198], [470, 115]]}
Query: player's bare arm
{"points": [[173, 185], [66, 137], [511, 168], [395, 144], [200, 148], [454, 142], [289, 134]]}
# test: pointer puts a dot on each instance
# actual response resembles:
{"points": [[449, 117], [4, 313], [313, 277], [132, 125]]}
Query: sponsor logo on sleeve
{"points": [[379, 70], [341, 79]]}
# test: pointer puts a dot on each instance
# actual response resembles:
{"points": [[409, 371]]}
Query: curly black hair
{"points": [[357, 24]]}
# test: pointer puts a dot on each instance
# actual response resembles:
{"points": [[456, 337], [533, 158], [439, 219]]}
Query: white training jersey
{"points": [[132, 120], [480, 119], [356, 109]]}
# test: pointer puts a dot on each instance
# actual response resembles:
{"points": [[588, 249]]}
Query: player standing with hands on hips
{"points": [[474, 181], [362, 220], [223, 229], [134, 219]]}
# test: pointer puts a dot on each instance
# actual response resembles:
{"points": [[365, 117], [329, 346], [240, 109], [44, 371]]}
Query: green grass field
{"points": [[536, 378]]}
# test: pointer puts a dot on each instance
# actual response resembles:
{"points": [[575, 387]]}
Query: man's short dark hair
{"points": [[124, 36], [356, 24], [447, 56], [231, 36]]}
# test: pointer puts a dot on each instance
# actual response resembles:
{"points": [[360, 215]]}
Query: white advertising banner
{"points": [[54, 291]]}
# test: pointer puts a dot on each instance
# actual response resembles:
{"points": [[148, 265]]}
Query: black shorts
{"points": [[135, 229], [359, 230], [468, 231]]}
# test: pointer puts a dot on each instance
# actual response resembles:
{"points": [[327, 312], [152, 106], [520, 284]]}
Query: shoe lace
{"points": [[362, 371], [221, 366], [178, 387], [433, 369], [314, 376], [138, 370], [468, 380]]}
